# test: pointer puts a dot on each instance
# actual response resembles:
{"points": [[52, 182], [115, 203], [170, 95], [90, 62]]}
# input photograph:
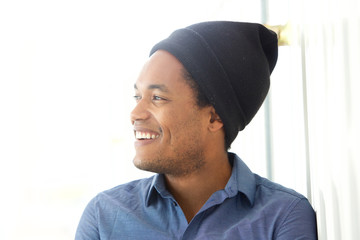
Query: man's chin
{"points": [[142, 164]]}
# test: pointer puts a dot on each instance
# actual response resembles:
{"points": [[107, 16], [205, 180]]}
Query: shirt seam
{"points": [[97, 218], [294, 194], [291, 207]]}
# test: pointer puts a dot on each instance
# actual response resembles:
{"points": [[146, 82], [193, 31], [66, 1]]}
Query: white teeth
{"points": [[144, 135]]}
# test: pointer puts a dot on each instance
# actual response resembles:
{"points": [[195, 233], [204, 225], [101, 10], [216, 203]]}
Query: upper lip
{"points": [[143, 129]]}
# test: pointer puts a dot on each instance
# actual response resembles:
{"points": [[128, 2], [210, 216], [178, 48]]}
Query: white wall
{"points": [[331, 43]]}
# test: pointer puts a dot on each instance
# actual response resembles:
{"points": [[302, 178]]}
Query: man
{"points": [[201, 85]]}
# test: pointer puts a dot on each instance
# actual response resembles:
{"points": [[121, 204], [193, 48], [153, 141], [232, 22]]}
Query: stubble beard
{"points": [[179, 165]]}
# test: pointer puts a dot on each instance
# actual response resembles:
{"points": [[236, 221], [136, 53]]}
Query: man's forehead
{"points": [[161, 72], [161, 87]]}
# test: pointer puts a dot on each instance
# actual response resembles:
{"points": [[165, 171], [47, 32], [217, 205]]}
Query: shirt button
{"points": [[175, 204]]}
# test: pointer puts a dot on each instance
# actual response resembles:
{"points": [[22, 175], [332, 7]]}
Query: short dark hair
{"points": [[201, 99]]}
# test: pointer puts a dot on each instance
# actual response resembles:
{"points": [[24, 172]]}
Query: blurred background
{"points": [[67, 70]]}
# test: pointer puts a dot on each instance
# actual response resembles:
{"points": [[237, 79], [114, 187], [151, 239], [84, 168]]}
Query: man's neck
{"points": [[193, 190]]}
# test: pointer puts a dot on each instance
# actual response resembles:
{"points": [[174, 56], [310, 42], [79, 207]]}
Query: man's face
{"points": [[170, 130]]}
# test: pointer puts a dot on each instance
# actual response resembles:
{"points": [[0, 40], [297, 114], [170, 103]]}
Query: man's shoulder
{"points": [[271, 190], [291, 212], [131, 186], [261, 188]]}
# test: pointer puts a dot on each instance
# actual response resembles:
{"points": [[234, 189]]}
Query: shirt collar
{"points": [[241, 180], [157, 185]]}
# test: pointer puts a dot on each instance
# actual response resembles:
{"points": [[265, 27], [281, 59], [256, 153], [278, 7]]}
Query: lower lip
{"points": [[144, 142]]}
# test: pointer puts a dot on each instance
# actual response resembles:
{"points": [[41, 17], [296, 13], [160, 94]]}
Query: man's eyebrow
{"points": [[161, 87]]}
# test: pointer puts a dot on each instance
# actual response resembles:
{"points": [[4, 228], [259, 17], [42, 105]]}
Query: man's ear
{"points": [[215, 123]]}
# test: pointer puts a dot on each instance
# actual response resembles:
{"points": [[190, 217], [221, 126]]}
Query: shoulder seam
{"points": [[282, 189]]}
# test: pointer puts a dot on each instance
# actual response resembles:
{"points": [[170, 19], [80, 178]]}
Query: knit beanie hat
{"points": [[231, 62]]}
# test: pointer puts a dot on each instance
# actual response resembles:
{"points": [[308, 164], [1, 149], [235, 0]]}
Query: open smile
{"points": [[145, 135]]}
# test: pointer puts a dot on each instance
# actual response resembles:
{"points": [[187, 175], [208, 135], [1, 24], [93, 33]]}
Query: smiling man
{"points": [[199, 88]]}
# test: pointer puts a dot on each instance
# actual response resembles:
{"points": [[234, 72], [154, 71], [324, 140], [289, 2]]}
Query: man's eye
{"points": [[137, 98], [157, 98]]}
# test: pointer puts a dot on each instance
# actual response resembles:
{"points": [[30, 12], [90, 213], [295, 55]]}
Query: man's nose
{"points": [[140, 111]]}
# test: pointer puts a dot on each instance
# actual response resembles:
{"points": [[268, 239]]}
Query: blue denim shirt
{"points": [[250, 207]]}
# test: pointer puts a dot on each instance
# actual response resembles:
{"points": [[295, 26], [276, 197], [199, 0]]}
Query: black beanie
{"points": [[231, 62]]}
